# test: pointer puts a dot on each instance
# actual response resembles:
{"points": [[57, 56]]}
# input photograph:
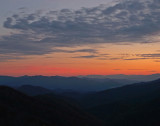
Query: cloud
{"points": [[86, 56], [135, 58], [127, 57], [22, 44], [77, 51], [10, 58], [41, 33], [94, 54], [153, 55]]}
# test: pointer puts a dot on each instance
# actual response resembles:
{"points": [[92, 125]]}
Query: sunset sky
{"points": [[79, 37]]}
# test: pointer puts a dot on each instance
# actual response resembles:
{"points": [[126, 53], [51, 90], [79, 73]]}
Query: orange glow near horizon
{"points": [[109, 59]]}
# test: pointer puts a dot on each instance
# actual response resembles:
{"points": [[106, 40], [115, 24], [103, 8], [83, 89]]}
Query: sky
{"points": [[73, 37]]}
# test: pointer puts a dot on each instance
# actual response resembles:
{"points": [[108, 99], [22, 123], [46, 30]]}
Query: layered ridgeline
{"points": [[132, 105], [65, 83], [80, 83], [137, 104], [141, 78], [18, 109]]}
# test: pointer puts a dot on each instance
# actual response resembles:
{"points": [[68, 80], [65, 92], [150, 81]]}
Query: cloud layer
{"points": [[40, 33]]}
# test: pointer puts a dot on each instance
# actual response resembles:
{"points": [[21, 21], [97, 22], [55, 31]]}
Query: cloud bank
{"points": [[40, 33]]}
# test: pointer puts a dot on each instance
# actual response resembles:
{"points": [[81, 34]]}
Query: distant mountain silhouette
{"points": [[134, 91], [33, 90], [132, 105], [17, 109], [65, 83], [139, 78]]}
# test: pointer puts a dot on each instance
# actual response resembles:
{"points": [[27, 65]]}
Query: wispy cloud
{"points": [[86, 56], [10, 57], [152, 55], [134, 58], [77, 51]]}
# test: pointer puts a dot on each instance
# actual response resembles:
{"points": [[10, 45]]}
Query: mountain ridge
{"points": [[17, 109]]}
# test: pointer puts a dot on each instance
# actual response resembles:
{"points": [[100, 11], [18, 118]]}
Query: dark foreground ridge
{"points": [[132, 105], [18, 109], [33, 90]]}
